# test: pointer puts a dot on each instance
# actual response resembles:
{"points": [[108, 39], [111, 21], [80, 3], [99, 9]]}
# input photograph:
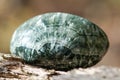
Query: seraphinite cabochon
{"points": [[59, 41]]}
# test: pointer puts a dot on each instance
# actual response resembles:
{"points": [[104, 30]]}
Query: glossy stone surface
{"points": [[59, 41]]}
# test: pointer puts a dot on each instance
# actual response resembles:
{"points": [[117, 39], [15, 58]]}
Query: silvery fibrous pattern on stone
{"points": [[59, 41]]}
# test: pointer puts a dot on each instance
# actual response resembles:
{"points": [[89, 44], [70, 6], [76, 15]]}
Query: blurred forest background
{"points": [[105, 13]]}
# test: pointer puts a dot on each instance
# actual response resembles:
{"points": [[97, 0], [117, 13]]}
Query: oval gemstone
{"points": [[59, 41]]}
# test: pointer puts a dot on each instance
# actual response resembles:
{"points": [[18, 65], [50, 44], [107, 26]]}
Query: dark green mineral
{"points": [[59, 41]]}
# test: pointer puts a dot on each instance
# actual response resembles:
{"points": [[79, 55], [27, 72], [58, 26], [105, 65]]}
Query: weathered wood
{"points": [[12, 69]]}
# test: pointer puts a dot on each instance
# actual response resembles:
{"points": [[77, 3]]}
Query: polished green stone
{"points": [[59, 41]]}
